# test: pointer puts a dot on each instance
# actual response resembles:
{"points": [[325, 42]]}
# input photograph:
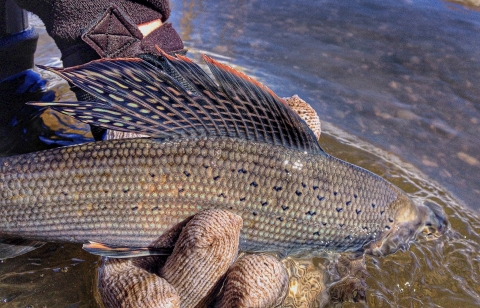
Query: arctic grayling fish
{"points": [[234, 146]]}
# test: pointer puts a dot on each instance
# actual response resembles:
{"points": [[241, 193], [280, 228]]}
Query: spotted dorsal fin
{"points": [[135, 96]]}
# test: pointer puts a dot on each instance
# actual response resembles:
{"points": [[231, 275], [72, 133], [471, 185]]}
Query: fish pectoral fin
{"points": [[104, 250], [13, 247]]}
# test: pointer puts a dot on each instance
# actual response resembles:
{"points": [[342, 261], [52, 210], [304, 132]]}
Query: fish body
{"points": [[128, 192], [291, 195]]}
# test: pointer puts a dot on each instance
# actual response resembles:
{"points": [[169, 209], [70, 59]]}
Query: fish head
{"points": [[434, 223], [411, 221]]}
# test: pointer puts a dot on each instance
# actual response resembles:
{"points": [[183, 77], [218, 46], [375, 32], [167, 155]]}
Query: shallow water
{"points": [[397, 86]]}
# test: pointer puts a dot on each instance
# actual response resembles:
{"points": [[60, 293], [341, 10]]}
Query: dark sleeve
{"points": [[67, 20]]}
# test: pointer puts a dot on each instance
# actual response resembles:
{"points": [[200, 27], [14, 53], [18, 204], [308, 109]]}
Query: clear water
{"points": [[397, 86]]}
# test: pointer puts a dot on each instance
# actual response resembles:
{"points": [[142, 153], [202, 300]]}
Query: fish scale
{"points": [[234, 146], [128, 192]]}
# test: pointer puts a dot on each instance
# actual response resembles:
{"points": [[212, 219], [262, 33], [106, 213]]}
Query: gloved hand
{"points": [[195, 275], [85, 30]]}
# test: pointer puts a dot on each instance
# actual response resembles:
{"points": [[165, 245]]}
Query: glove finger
{"points": [[254, 281], [202, 255], [124, 285]]}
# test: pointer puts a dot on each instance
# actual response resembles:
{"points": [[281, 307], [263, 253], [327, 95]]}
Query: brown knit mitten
{"points": [[206, 248], [122, 284], [254, 281]]}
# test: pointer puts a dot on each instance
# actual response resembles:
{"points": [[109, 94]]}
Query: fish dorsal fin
{"points": [[135, 96]]}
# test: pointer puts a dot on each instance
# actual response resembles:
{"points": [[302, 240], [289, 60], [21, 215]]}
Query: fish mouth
{"points": [[413, 222]]}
